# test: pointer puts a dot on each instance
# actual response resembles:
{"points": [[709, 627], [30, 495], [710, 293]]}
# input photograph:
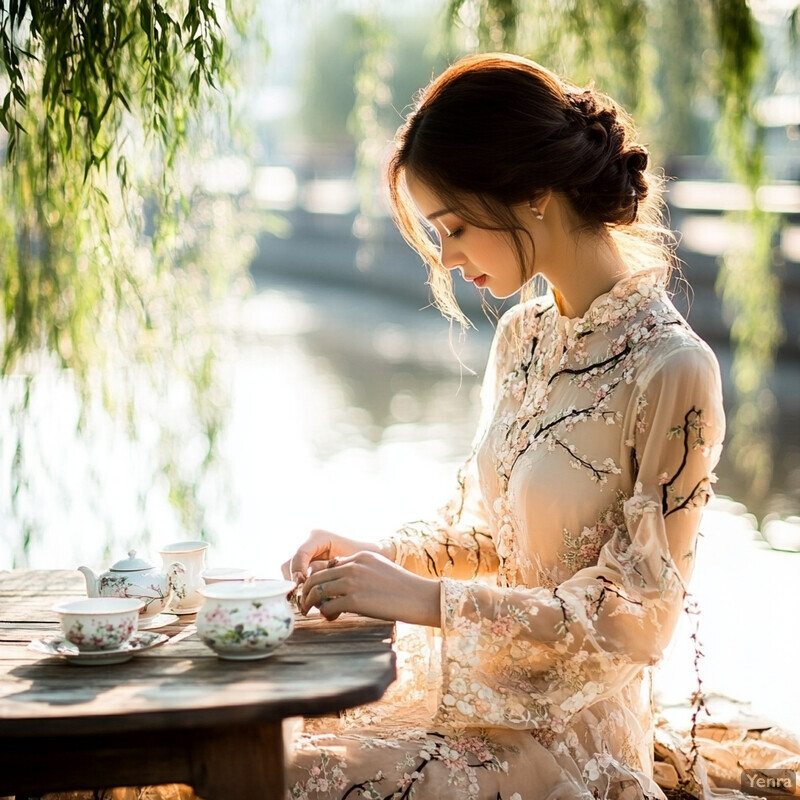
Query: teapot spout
{"points": [[91, 581]]}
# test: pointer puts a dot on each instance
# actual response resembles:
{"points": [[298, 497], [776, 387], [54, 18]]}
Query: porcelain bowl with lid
{"points": [[246, 620]]}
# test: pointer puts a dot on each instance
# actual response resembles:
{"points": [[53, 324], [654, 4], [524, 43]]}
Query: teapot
{"points": [[136, 578]]}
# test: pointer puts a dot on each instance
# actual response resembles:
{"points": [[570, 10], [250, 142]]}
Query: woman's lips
{"points": [[479, 281]]}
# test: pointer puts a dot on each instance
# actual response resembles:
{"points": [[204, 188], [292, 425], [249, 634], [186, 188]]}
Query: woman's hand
{"points": [[323, 546], [370, 584]]}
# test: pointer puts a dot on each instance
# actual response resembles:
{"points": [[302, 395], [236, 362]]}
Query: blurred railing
{"points": [[324, 245], [697, 211]]}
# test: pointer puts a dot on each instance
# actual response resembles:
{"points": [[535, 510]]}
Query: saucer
{"points": [[158, 621], [59, 646], [185, 611]]}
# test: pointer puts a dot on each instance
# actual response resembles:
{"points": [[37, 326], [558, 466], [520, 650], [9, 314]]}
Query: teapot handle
{"points": [[176, 573]]}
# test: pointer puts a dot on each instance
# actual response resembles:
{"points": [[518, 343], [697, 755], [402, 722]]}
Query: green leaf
{"points": [[6, 107], [65, 258], [19, 95], [68, 128], [124, 100]]}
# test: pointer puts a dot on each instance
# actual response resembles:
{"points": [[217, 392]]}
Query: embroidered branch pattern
{"points": [[439, 549], [692, 432], [461, 756]]}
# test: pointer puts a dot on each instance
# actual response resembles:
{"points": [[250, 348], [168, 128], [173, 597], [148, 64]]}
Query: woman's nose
{"points": [[452, 257]]}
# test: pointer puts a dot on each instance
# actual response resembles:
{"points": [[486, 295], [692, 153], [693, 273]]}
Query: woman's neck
{"points": [[575, 303], [587, 267]]}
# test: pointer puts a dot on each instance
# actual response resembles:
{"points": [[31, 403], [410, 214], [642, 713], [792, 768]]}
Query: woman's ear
{"points": [[539, 205], [542, 201]]}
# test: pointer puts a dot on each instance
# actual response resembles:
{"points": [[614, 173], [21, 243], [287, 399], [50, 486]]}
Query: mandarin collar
{"points": [[620, 302]]}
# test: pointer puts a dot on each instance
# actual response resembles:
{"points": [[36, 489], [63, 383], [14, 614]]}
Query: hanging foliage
{"points": [[112, 253], [565, 36], [749, 287], [492, 23], [90, 84], [373, 95]]}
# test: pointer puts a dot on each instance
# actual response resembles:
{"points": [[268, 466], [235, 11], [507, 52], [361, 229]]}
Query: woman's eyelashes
{"points": [[441, 231]]}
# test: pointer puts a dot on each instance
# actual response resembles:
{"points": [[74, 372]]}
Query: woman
{"points": [[557, 575]]}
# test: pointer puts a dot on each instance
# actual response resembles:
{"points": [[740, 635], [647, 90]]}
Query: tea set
{"points": [[239, 617]]}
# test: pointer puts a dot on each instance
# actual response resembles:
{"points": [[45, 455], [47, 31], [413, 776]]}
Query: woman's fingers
{"points": [[335, 576], [323, 597], [320, 589], [316, 547], [316, 566], [333, 608], [368, 583], [324, 547]]}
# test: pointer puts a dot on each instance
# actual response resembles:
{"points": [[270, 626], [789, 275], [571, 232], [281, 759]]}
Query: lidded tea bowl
{"points": [[242, 621]]}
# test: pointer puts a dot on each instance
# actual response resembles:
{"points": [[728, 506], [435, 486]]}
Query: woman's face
{"points": [[486, 258]]}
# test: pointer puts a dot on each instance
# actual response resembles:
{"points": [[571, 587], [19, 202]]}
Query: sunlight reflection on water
{"points": [[347, 416]]}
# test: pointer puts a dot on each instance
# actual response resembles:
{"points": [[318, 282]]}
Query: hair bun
{"points": [[597, 119], [583, 106], [637, 159], [612, 191]]}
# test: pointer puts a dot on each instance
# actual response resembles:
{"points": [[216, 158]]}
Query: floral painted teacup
{"points": [[244, 621], [99, 623]]}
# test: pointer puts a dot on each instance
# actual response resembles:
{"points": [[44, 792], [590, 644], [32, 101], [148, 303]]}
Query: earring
{"points": [[536, 213]]}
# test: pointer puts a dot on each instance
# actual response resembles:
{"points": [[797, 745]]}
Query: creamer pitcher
{"points": [[192, 555]]}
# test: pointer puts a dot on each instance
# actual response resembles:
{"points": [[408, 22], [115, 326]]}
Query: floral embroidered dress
{"points": [[564, 561]]}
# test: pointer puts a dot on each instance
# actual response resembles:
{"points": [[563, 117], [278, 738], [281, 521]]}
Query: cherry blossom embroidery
{"points": [[326, 774], [583, 549]]}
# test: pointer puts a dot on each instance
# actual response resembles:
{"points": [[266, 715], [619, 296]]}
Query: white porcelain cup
{"points": [[99, 623], [192, 554], [242, 621], [221, 574]]}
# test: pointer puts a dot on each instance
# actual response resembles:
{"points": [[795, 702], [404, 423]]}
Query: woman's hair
{"points": [[494, 131]]}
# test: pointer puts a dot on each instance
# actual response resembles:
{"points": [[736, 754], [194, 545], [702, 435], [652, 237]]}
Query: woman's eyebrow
{"points": [[439, 213]]}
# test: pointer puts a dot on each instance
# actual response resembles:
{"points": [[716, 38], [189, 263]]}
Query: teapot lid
{"points": [[131, 563]]}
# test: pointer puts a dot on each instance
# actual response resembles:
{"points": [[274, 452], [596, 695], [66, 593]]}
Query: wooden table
{"points": [[174, 714]]}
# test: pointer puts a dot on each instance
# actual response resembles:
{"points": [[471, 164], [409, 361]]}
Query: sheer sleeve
{"points": [[458, 543], [532, 658]]}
